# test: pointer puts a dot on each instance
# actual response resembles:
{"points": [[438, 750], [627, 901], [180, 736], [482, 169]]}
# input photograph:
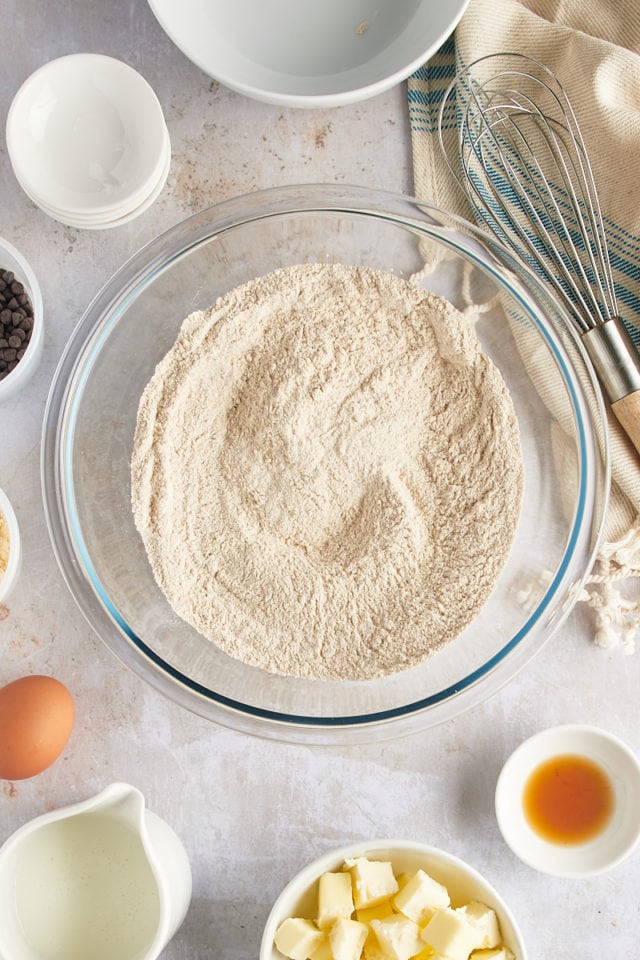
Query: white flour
{"points": [[327, 473]]}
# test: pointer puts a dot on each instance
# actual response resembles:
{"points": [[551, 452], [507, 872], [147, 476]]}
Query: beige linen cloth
{"points": [[593, 46]]}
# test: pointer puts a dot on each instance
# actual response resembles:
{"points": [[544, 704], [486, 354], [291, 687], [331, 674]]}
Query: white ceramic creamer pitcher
{"points": [[105, 879]]}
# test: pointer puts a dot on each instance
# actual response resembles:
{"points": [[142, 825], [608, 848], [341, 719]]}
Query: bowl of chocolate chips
{"points": [[20, 320]]}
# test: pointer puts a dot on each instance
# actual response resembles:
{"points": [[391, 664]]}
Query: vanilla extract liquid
{"points": [[568, 799]]}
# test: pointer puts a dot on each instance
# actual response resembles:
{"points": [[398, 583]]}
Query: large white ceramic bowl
{"points": [[306, 54], [86, 135], [463, 882], [88, 441]]}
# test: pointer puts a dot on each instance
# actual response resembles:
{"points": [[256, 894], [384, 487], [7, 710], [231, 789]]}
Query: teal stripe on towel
{"points": [[424, 109]]}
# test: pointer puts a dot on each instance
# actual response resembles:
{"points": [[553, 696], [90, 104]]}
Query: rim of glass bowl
{"points": [[58, 491]]}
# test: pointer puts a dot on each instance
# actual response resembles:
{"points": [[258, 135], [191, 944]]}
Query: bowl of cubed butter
{"points": [[390, 900]]}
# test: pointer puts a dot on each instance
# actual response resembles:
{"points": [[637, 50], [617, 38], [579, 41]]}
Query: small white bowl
{"points": [[86, 135], [308, 54], [618, 837], [299, 897], [12, 259], [118, 221], [114, 219], [10, 576]]}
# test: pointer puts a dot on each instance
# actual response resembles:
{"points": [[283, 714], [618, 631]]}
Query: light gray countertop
{"points": [[252, 812]]}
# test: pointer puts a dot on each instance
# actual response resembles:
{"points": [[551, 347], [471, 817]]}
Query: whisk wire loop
{"points": [[536, 203], [520, 158], [527, 175]]}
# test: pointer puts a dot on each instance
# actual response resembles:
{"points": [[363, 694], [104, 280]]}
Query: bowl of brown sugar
{"points": [[324, 464]]}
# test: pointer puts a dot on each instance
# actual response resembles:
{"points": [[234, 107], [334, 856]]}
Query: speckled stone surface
{"points": [[252, 812]]}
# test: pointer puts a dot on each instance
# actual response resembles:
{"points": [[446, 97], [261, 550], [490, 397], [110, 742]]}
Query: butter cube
{"points": [[347, 938], [428, 953], [486, 920], [497, 953], [373, 881], [398, 936], [451, 933], [372, 949], [378, 912], [297, 938], [335, 898], [322, 951], [421, 897]]}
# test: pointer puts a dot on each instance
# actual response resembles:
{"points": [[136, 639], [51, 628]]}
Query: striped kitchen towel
{"points": [[593, 46]]}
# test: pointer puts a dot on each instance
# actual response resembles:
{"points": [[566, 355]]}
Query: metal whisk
{"points": [[521, 161]]}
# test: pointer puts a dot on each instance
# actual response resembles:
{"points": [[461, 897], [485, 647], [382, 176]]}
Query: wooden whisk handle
{"points": [[627, 410]]}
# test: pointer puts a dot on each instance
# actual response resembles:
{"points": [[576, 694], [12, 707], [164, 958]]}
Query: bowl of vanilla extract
{"points": [[568, 801]]}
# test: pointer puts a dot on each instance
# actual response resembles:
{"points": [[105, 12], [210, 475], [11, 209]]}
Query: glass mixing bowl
{"points": [[91, 415]]}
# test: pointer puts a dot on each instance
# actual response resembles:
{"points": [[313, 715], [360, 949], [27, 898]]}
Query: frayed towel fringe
{"points": [[617, 617]]}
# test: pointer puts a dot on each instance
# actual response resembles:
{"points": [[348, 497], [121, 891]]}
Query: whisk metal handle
{"points": [[617, 364]]}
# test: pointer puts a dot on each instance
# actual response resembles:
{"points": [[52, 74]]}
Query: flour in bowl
{"points": [[327, 473]]}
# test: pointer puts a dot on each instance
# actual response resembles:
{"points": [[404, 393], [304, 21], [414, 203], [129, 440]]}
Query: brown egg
{"points": [[36, 717]]}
